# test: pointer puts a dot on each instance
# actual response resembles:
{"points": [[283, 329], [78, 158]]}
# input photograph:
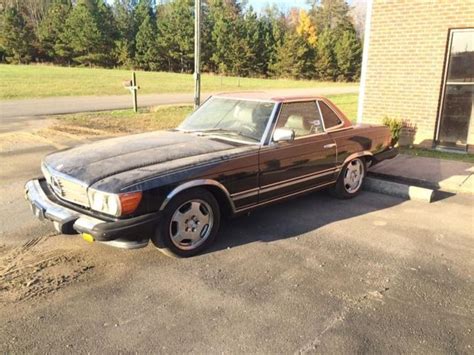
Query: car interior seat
{"points": [[298, 124]]}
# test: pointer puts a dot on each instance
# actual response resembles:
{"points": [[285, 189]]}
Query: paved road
{"points": [[375, 274], [12, 109]]}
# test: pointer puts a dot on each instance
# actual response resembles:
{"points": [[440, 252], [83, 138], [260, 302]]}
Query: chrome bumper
{"points": [[68, 221]]}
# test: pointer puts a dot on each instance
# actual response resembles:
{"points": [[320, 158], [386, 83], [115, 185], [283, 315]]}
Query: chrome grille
{"points": [[66, 188]]}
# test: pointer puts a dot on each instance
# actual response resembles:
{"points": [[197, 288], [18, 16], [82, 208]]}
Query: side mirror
{"points": [[283, 135]]}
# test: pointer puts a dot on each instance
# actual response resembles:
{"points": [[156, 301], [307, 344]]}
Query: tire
{"points": [[189, 225], [351, 178]]}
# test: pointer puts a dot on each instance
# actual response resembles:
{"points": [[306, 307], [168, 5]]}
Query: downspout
{"points": [[365, 58]]}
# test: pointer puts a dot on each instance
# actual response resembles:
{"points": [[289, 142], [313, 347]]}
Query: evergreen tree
{"points": [[320, 43], [15, 37], [176, 34], [146, 51], [294, 58], [348, 54], [254, 37], [88, 32], [144, 9], [124, 17], [228, 36], [326, 61], [49, 33], [274, 28], [207, 44]]}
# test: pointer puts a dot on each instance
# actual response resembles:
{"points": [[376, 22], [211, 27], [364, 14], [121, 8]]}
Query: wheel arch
{"points": [[216, 188], [367, 155]]}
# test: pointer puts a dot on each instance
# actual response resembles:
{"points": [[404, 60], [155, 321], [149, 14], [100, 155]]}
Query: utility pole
{"points": [[197, 53]]}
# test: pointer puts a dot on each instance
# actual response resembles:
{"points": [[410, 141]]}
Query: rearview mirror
{"points": [[283, 135]]}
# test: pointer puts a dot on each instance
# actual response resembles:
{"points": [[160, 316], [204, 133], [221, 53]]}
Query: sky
{"points": [[282, 4]]}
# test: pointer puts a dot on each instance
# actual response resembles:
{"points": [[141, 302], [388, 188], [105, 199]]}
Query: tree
{"points": [[326, 61], [15, 37], [329, 14], [124, 17], [176, 34], [274, 27], [52, 47], [306, 29], [294, 58], [228, 35], [146, 51], [89, 33], [348, 54], [254, 37]]}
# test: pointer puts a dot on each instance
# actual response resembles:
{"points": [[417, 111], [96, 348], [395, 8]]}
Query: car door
{"points": [[308, 161], [347, 142]]}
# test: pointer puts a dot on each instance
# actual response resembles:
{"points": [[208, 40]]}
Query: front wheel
{"points": [[190, 224], [351, 178]]}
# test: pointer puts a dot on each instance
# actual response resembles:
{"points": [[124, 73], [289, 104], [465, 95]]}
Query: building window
{"points": [[457, 108]]}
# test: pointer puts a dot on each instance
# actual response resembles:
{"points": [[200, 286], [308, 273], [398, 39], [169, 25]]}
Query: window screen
{"points": [[301, 117], [330, 118]]}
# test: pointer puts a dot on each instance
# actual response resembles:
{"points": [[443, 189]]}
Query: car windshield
{"points": [[242, 119]]}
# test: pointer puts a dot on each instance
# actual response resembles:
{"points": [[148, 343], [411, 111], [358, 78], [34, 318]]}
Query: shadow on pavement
{"points": [[296, 217]]}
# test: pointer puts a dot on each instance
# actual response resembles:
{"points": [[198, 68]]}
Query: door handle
{"points": [[327, 146]]}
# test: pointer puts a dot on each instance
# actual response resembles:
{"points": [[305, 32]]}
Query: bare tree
{"points": [[358, 13]]}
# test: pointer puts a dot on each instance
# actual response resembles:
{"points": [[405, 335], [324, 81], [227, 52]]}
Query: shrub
{"points": [[395, 125]]}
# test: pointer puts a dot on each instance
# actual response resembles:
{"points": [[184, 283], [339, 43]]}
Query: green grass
{"points": [[347, 103], [429, 153], [28, 81], [156, 118]]}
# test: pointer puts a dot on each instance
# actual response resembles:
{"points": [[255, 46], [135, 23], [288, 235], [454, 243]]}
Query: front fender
{"points": [[197, 183]]}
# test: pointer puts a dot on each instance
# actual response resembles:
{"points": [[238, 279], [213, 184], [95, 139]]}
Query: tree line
{"points": [[319, 43]]}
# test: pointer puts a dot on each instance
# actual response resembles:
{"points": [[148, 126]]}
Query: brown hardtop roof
{"points": [[267, 96]]}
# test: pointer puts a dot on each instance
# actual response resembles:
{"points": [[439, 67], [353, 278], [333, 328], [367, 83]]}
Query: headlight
{"points": [[104, 202], [114, 204]]}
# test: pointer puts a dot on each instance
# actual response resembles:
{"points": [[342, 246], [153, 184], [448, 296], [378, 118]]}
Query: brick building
{"points": [[419, 65]]}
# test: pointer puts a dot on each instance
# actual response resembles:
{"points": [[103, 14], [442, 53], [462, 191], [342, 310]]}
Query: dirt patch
{"points": [[123, 121], [31, 271]]}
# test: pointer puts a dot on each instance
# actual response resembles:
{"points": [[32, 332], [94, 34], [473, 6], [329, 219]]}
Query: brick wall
{"points": [[405, 65]]}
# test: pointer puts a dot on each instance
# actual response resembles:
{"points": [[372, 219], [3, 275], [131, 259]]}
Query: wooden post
{"points": [[134, 89]]}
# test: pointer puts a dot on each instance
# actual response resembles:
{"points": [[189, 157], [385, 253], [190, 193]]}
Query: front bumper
{"points": [[127, 233]]}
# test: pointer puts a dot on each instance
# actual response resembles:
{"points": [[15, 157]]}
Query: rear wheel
{"points": [[190, 224], [351, 178]]}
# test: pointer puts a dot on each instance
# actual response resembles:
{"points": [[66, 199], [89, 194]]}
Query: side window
{"points": [[330, 118], [302, 117]]}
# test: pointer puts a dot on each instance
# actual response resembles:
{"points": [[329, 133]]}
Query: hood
{"points": [[92, 162]]}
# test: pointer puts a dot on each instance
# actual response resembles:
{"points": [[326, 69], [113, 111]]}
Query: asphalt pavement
{"points": [[375, 274]]}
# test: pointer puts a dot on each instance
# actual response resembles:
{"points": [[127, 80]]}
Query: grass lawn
{"points": [[160, 117], [429, 153], [27, 81]]}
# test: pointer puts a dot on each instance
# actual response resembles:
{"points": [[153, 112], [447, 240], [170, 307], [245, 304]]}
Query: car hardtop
{"points": [[282, 99]]}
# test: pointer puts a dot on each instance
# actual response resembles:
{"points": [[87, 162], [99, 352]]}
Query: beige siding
{"points": [[406, 60]]}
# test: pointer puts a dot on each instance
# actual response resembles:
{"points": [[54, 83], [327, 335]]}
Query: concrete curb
{"points": [[408, 192]]}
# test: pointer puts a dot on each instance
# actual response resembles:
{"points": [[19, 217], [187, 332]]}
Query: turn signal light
{"points": [[129, 201]]}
